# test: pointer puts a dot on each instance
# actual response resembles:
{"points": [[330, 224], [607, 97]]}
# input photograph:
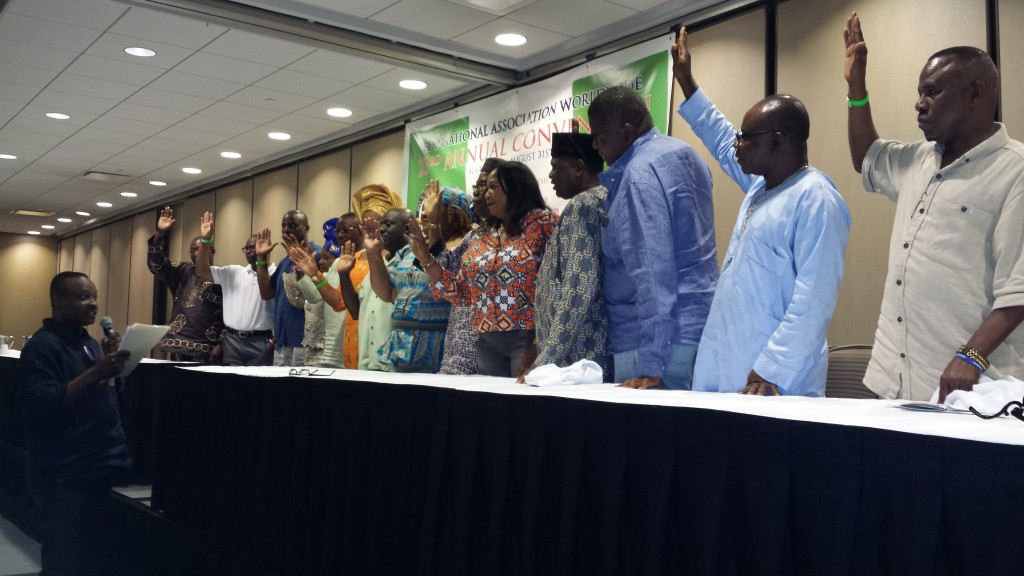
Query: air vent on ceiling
{"points": [[497, 7], [106, 176], [38, 213]]}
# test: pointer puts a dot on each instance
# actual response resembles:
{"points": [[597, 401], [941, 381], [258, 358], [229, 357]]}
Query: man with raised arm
{"points": [[76, 445], [197, 316], [248, 318], [660, 261], [954, 294], [766, 331]]}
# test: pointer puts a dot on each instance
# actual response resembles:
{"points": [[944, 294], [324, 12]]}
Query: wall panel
{"points": [[119, 274], [728, 64], [379, 161], [66, 255], [900, 36], [233, 219], [274, 194], [324, 189], [140, 306], [83, 245], [187, 222], [1011, 65], [31, 263], [99, 264]]}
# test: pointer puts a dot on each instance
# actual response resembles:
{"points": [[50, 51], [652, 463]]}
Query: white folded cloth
{"points": [[582, 372], [988, 397]]}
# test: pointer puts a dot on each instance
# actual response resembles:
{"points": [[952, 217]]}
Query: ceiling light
{"points": [[140, 52], [157, 183], [510, 39], [191, 170], [412, 84], [65, 220], [8, 157], [47, 226], [104, 204], [129, 194], [279, 136], [34, 232], [339, 112], [57, 116], [232, 155], [37, 213], [80, 213]]}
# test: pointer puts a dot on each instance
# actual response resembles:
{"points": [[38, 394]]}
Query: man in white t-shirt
{"points": [[248, 318]]}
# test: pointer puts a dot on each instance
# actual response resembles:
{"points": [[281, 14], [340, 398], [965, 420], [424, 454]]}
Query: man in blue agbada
{"points": [[766, 330]]}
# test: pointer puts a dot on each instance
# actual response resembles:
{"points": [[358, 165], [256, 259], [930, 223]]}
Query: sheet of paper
{"points": [[139, 339], [929, 407]]}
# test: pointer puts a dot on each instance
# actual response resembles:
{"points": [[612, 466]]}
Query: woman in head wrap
{"points": [[372, 201]]}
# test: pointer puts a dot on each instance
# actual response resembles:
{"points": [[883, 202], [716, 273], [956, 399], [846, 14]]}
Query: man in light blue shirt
{"points": [[781, 274], [660, 264]]}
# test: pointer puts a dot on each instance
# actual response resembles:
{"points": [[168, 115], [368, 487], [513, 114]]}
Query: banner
{"points": [[517, 125]]}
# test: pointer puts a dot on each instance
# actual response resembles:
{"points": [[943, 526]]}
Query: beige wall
{"points": [[30, 263], [729, 60]]}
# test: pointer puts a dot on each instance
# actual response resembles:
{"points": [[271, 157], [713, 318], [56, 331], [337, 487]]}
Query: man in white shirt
{"points": [[248, 318], [954, 294]]}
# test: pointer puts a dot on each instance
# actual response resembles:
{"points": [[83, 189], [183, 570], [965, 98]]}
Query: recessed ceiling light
{"points": [[510, 39], [157, 183], [80, 213], [8, 156], [232, 155], [339, 112], [412, 84], [65, 220], [129, 194], [140, 52], [191, 170], [47, 226], [57, 116], [34, 232], [279, 136], [104, 204]]}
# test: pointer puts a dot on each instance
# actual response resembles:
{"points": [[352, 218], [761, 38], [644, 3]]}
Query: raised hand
{"points": [[681, 64], [856, 65], [288, 241], [206, 225], [303, 260], [372, 242], [347, 260], [418, 241], [165, 222], [263, 244]]}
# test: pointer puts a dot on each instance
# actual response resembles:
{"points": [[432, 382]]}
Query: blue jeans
{"points": [[678, 374]]}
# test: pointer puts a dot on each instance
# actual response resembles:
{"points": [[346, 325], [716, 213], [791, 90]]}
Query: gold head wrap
{"points": [[376, 198]]}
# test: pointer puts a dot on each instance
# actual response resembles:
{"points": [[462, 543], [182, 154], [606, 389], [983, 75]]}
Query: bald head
{"points": [[971, 68]]}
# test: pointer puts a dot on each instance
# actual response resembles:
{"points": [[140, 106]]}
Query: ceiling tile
{"points": [[326, 10], [169, 145], [62, 167], [340, 66], [129, 165], [167, 28], [436, 84], [55, 101], [376, 99], [538, 40], [296, 123], [648, 4], [309, 85], [281, 102], [35, 56], [25, 145], [21, 95], [140, 127], [319, 110], [98, 15], [433, 17], [242, 113], [147, 113], [93, 87], [79, 143], [26, 75], [253, 47], [205, 87], [223, 68], [50, 130], [28, 29], [109, 136], [170, 100], [192, 135], [571, 17], [145, 153], [112, 46], [216, 124], [69, 154], [115, 70]]}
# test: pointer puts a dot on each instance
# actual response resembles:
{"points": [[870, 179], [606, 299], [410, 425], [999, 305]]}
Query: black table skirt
{"points": [[329, 477]]}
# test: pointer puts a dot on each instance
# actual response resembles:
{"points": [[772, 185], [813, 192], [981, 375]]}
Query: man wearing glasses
{"points": [[766, 331], [248, 318]]}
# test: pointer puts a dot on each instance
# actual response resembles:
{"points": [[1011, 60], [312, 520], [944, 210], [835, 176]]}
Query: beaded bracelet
{"points": [[970, 361], [974, 355]]}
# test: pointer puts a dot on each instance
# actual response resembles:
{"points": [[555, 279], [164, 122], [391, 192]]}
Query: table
{"points": [[367, 473]]}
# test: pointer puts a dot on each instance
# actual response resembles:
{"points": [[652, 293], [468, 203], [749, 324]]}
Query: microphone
{"points": [[108, 326]]}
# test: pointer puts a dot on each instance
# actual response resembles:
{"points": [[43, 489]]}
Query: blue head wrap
{"points": [[330, 240]]}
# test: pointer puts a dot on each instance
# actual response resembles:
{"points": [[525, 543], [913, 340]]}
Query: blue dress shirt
{"points": [[660, 263], [780, 276]]}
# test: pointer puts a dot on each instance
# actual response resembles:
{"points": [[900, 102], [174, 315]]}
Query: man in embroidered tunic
{"points": [[766, 331], [954, 294]]}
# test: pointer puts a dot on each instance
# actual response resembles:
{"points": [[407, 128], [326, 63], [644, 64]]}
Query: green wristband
{"points": [[206, 241], [322, 283], [857, 103], [261, 262]]}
